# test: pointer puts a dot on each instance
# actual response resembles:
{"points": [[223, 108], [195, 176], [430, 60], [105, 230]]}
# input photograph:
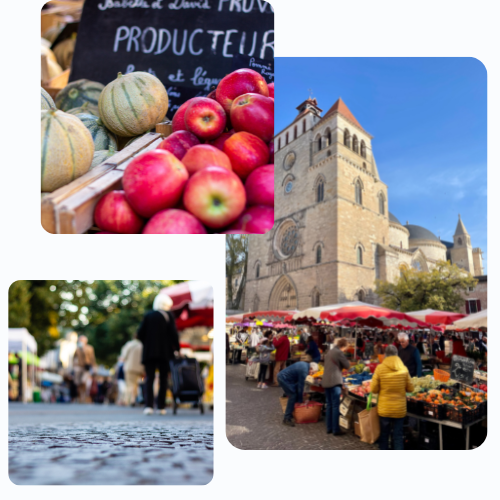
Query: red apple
{"points": [[105, 232], [239, 82], [154, 181], [215, 196], [114, 214], [270, 87], [254, 220], [259, 186], [178, 143], [234, 231], [212, 95], [219, 142], [178, 119], [205, 118], [172, 221], [253, 113], [246, 152], [204, 155], [271, 152]]}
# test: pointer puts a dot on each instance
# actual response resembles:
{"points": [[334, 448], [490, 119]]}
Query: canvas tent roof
{"points": [[16, 338]]}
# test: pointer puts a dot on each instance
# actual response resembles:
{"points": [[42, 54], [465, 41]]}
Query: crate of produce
{"points": [[415, 406], [70, 209], [462, 414], [434, 410]]}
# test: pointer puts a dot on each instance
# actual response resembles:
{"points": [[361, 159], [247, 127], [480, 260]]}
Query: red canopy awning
{"points": [[443, 317], [269, 315]]}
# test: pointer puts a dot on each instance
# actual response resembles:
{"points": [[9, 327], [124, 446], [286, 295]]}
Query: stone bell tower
{"points": [[461, 252]]}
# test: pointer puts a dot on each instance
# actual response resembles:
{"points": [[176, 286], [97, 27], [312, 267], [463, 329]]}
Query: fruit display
{"points": [[133, 103], [67, 149], [47, 101], [421, 384], [64, 52], [77, 93], [204, 177], [102, 137], [101, 155]]}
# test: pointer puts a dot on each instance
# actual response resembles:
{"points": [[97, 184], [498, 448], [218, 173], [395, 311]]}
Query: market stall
{"points": [[22, 343]]}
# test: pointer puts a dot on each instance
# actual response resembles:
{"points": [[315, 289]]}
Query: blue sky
{"points": [[428, 119]]}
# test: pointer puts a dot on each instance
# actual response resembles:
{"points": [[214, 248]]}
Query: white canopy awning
{"points": [[315, 312], [476, 320], [19, 335]]}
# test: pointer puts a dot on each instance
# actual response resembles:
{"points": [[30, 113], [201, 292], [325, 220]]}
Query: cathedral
{"points": [[333, 233]]}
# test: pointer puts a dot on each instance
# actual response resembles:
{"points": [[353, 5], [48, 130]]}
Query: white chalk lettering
{"points": [[221, 4], [172, 92], [248, 9], [227, 43], [263, 5], [184, 4], [266, 44], [153, 41], [130, 69], [191, 38], [174, 45], [161, 49], [135, 33], [179, 77], [235, 4], [119, 37], [129, 4], [199, 79], [214, 39], [242, 43]]}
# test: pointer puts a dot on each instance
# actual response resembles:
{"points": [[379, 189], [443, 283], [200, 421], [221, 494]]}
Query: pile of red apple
{"points": [[213, 174]]}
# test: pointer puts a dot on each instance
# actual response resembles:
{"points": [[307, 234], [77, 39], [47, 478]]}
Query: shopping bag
{"points": [[369, 423]]}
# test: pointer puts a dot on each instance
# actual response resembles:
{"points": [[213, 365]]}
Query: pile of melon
{"points": [[81, 129]]}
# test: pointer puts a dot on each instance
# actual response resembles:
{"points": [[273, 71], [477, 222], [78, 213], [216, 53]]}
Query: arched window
{"points": [[363, 149], [359, 256], [257, 271], [318, 254], [355, 144], [287, 137], [459, 241], [328, 153], [326, 138], [304, 127], [315, 298], [358, 192], [320, 191], [400, 244], [279, 143], [295, 132], [381, 204], [347, 138], [317, 143], [364, 165], [361, 295]]}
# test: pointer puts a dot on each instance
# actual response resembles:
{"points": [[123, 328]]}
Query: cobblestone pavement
{"points": [[254, 421], [84, 444]]}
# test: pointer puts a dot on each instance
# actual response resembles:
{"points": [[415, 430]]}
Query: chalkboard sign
{"points": [[188, 45], [462, 369], [369, 349], [265, 68]]}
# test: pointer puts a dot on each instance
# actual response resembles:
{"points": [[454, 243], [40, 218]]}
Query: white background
{"points": [[303, 28]]}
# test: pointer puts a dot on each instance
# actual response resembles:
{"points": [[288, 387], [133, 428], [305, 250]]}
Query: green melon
{"points": [[133, 103], [77, 93], [47, 101], [101, 156], [67, 149], [103, 138], [81, 109]]}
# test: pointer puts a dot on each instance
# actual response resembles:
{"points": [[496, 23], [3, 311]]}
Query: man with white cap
{"points": [[160, 340]]}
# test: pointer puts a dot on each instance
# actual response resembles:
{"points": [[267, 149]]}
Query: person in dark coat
{"points": [[313, 350], [160, 340], [409, 355]]}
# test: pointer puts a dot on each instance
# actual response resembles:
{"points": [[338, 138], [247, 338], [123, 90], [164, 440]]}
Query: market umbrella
{"points": [[315, 312], [374, 316], [235, 318], [269, 315], [193, 303], [434, 317], [474, 321]]}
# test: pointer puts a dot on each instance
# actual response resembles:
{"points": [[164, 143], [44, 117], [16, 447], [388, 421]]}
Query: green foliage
{"points": [[108, 312], [236, 266], [442, 289]]}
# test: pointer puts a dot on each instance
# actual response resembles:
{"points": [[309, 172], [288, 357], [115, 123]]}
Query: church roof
{"points": [[447, 244], [460, 227], [341, 108], [393, 218], [420, 233]]}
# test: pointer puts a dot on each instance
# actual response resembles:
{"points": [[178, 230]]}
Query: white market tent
{"points": [[315, 312], [20, 340], [476, 320], [421, 314]]}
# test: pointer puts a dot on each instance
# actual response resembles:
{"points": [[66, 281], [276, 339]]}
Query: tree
{"points": [[236, 266], [442, 289], [19, 304]]}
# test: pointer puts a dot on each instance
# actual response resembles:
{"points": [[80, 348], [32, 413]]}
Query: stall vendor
{"points": [[378, 348], [409, 355], [313, 350], [241, 338], [292, 380], [282, 345]]}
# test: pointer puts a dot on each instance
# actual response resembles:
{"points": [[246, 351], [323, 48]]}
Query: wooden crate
{"points": [[70, 209]]}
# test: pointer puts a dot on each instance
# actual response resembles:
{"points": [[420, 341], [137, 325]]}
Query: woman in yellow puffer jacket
{"points": [[391, 381]]}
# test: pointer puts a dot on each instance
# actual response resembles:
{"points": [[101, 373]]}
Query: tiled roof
{"points": [[340, 107]]}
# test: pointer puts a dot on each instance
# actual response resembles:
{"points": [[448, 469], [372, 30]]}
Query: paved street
{"points": [[95, 444], [254, 421]]}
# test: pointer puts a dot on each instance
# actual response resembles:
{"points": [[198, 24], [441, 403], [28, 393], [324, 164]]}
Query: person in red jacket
{"points": [[282, 345]]}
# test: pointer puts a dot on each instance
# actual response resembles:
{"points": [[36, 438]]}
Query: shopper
{"points": [[282, 345], [409, 355], [335, 362], [313, 350], [378, 348], [241, 338], [83, 365], [133, 368], [264, 349], [160, 341], [391, 381], [292, 380]]}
